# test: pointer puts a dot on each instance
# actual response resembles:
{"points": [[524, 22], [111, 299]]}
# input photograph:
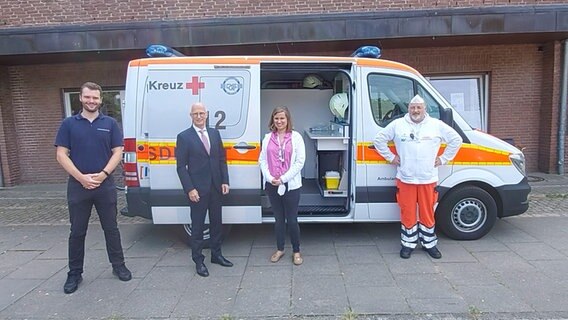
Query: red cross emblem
{"points": [[194, 85]]}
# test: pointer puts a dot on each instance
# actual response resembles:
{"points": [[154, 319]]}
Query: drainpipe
{"points": [[562, 125]]}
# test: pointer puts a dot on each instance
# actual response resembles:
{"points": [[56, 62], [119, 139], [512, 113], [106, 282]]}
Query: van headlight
{"points": [[518, 160]]}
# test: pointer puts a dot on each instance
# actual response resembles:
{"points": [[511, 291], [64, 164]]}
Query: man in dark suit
{"points": [[202, 170]]}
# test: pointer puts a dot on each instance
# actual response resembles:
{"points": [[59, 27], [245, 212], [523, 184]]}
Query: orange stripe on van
{"points": [[236, 60], [157, 153], [467, 155]]}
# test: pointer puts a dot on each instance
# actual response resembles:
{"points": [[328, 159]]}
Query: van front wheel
{"points": [[466, 213]]}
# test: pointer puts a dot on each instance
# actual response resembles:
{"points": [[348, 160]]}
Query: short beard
{"points": [[417, 119]]}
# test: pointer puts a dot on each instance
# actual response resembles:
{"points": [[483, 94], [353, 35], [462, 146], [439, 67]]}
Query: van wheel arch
{"points": [[467, 212]]}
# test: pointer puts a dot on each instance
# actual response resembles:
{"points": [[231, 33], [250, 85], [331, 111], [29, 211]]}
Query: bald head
{"points": [[198, 115]]}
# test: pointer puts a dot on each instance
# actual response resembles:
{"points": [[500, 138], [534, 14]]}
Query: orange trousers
{"points": [[408, 195]]}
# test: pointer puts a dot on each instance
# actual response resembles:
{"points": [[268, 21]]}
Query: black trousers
{"points": [[285, 209], [81, 201], [212, 202]]}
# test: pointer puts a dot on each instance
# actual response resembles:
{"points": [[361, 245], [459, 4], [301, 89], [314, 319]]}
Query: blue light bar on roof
{"points": [[160, 50], [367, 52]]}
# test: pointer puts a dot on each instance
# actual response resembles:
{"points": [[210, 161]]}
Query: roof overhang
{"points": [[294, 34]]}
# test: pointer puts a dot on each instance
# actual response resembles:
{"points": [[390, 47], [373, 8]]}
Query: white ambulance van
{"points": [[484, 182]]}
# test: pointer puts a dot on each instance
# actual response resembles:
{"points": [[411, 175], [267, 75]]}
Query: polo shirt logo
{"points": [[103, 129]]}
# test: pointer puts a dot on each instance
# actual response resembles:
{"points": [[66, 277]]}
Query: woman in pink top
{"points": [[281, 161]]}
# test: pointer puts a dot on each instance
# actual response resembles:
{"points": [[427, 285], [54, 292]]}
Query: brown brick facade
{"points": [[38, 110], [41, 13], [8, 141], [516, 86]]}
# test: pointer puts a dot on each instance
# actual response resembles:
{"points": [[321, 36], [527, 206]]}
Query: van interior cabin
{"points": [[306, 90]]}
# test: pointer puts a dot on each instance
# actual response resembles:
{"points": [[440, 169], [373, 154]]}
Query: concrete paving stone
{"points": [[260, 256], [263, 236], [376, 300], [453, 252], [172, 278], [438, 305], [372, 275], [234, 247], [210, 297], [58, 251], [140, 267], [314, 249], [318, 295], [11, 290], [149, 246], [508, 233], [101, 298], [388, 246], [536, 251], [238, 268], [359, 254], [11, 260], [175, 257], [267, 277], [418, 263], [148, 304], [316, 265], [555, 269], [487, 243], [351, 235], [44, 301], [384, 231], [537, 290], [132, 233], [504, 262], [468, 274], [425, 286], [38, 269], [493, 298], [274, 302]]}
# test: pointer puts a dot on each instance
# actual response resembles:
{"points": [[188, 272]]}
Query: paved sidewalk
{"points": [[350, 271]]}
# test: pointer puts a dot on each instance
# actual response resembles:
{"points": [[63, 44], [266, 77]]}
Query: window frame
{"points": [[483, 94], [67, 92]]}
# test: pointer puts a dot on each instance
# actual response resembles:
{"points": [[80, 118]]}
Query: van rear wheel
{"points": [[466, 213]]}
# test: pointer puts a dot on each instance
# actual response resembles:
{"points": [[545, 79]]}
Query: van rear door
{"points": [[233, 109]]}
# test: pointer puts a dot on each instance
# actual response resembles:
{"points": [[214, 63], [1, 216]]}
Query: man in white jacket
{"points": [[417, 138]]}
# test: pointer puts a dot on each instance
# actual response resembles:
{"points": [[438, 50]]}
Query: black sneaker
{"points": [[72, 283], [405, 252], [434, 252], [122, 273]]}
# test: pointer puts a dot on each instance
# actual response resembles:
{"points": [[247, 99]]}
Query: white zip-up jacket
{"points": [[417, 145], [293, 176]]}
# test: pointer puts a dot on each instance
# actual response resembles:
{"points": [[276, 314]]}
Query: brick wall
{"points": [[516, 103], [40, 13], [38, 110], [8, 150]]}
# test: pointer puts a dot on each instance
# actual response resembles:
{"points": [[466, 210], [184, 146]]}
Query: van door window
{"points": [[389, 97]]}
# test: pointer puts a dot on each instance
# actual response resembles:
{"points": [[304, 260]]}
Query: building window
{"points": [[111, 105], [467, 94]]}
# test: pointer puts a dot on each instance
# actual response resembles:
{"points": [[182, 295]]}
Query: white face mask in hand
{"points": [[281, 189]]}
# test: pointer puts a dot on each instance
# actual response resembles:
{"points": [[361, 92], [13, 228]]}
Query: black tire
{"points": [[466, 213], [206, 234]]}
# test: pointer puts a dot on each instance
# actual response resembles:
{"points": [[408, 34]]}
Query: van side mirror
{"points": [[447, 116]]}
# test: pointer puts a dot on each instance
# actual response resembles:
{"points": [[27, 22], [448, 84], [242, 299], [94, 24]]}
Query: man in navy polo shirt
{"points": [[89, 147]]}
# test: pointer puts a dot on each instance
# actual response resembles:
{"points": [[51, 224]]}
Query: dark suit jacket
{"points": [[197, 169]]}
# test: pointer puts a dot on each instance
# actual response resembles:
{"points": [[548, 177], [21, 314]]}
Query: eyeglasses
{"points": [[198, 114]]}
